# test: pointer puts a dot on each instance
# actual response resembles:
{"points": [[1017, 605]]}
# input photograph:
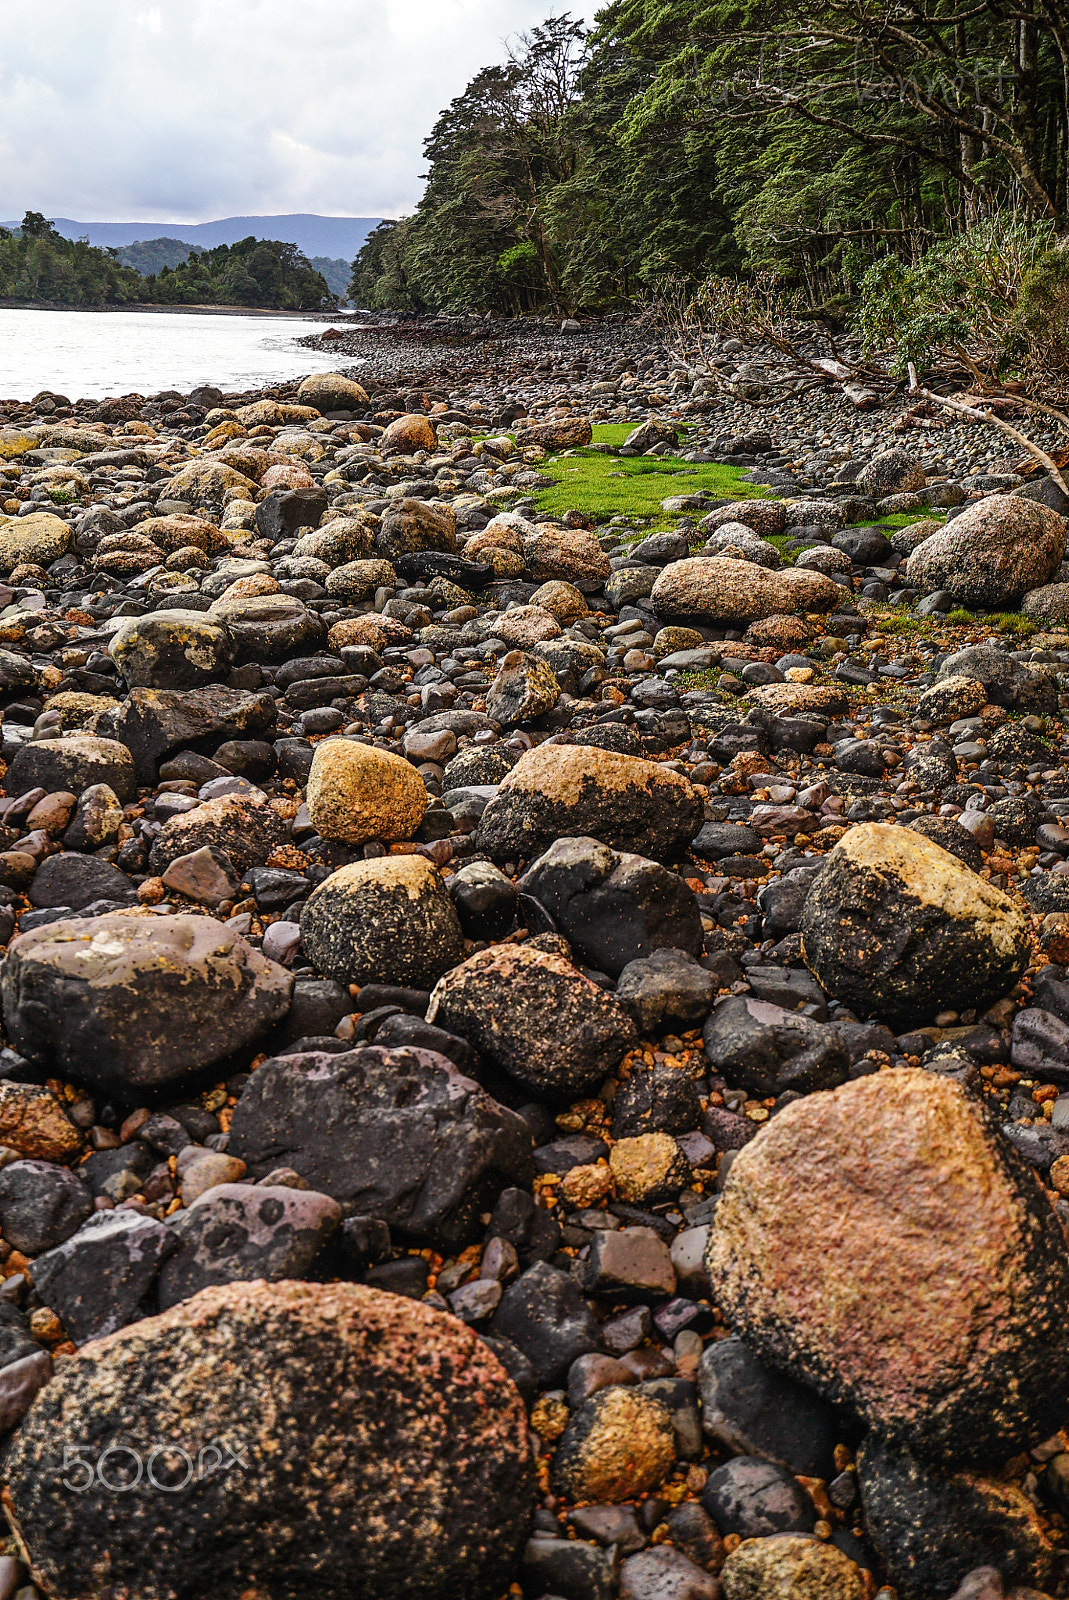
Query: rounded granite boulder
{"points": [[724, 590], [273, 1441], [171, 650], [935, 1312], [73, 763], [331, 391], [356, 793], [576, 791], [997, 550], [389, 920], [896, 927]]}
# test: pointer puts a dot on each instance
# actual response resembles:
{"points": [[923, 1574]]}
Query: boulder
{"points": [[894, 471], [235, 1232], [126, 1002], [934, 1311], [243, 826], [934, 1527], [987, 557], [153, 722], [38, 539], [560, 433], [536, 1017], [720, 589], [41, 1205], [766, 1050], [573, 791], [790, 1567], [613, 908], [397, 1134], [97, 1280], [618, 1445], [410, 525], [388, 920], [330, 391], [171, 650], [523, 688], [764, 517], [356, 793], [75, 762], [551, 552], [407, 434], [418, 1486], [894, 926], [268, 627]]}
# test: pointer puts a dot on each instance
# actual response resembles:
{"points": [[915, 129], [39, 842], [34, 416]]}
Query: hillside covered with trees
{"points": [[808, 139], [37, 263]]}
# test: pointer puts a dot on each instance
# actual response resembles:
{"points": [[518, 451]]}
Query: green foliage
{"points": [[604, 486], [37, 263], [148, 256]]}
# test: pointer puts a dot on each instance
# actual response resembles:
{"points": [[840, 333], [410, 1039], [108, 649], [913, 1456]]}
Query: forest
{"points": [[38, 264], [825, 144]]}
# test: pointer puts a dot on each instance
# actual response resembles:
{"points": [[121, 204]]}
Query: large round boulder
{"points": [[991, 554], [356, 793], [410, 525], [389, 920], [917, 1274], [40, 538], [407, 434], [576, 791], [898, 928], [331, 391], [559, 433], [171, 650], [127, 1001], [721, 589], [326, 1439], [893, 471]]}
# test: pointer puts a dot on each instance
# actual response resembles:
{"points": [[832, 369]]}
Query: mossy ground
{"points": [[601, 487]]}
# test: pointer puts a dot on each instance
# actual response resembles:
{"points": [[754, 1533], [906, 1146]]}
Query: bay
{"points": [[87, 354]]}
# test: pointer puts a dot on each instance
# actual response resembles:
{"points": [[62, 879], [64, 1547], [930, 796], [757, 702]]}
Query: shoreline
{"points": [[137, 306]]}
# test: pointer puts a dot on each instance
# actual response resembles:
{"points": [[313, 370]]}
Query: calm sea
{"points": [[85, 354]]}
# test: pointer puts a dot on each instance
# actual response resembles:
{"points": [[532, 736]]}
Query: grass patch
{"points": [[601, 486]]}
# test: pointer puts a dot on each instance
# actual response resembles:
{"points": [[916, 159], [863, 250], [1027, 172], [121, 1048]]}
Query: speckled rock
{"points": [[935, 1313], [409, 433], [951, 698], [560, 433], [991, 554], [618, 1445], [524, 626], [561, 553], [562, 791], [267, 627], [523, 688], [894, 471], [719, 589], [126, 1001], [1049, 602], [358, 580], [932, 1528], [790, 1567], [535, 1016], [356, 793], [409, 525], [764, 517], [244, 826], [399, 1135], [307, 1496], [563, 601], [171, 650], [648, 1168], [74, 763], [389, 920], [896, 927], [40, 538], [34, 1122], [792, 699]]}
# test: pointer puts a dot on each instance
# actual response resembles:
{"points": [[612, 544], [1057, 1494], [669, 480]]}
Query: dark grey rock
{"points": [[755, 1498], [749, 1408], [238, 1231], [764, 1049], [40, 1205], [99, 1278], [544, 1315]]}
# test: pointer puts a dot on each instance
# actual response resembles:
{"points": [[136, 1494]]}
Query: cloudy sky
{"points": [[196, 109]]}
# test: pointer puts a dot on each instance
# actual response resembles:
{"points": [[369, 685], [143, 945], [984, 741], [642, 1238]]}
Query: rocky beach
{"points": [[535, 984]]}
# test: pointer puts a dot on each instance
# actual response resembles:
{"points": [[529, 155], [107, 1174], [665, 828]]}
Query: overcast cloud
{"points": [[196, 109]]}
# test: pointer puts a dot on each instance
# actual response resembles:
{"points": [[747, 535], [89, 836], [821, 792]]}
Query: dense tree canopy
{"points": [[808, 137], [37, 263]]}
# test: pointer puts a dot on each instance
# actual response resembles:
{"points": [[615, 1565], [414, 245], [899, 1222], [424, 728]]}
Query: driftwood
{"points": [[975, 414]]}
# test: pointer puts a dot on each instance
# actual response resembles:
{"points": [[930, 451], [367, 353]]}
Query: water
{"points": [[85, 354]]}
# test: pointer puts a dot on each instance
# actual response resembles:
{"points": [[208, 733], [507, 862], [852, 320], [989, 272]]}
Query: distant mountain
{"points": [[335, 237]]}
